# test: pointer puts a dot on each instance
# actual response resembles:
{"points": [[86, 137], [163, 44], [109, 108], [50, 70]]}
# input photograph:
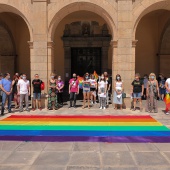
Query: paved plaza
{"points": [[85, 155]]}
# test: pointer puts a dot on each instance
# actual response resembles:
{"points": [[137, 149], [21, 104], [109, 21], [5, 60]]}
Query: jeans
{"points": [[22, 97], [9, 98], [73, 96]]}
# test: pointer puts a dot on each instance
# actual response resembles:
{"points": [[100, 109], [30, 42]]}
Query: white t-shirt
{"points": [[93, 83], [24, 86], [102, 84], [168, 81]]}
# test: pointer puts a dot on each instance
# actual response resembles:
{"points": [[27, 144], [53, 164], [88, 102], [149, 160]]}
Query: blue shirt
{"points": [[6, 84]]}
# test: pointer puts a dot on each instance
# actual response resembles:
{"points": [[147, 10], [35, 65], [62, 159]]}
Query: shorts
{"points": [[162, 90], [86, 90], [92, 89], [137, 95], [37, 96]]}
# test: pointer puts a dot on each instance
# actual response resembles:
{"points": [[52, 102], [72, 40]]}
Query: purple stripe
{"points": [[135, 139]]}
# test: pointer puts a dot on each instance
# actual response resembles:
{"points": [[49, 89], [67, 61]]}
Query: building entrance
{"points": [[85, 60]]}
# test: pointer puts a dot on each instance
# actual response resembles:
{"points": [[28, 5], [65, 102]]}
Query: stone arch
{"points": [[79, 6], [12, 9], [9, 37], [145, 8]]}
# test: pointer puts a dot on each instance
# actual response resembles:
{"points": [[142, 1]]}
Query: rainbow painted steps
{"points": [[119, 129]]}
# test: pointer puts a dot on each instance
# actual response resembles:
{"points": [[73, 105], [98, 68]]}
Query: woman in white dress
{"points": [[118, 89]]}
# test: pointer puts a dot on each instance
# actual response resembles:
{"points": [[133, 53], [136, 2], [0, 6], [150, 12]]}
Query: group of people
{"points": [[148, 88]]}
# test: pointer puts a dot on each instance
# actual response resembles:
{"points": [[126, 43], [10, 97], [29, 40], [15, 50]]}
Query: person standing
{"points": [[162, 89], [60, 87], [137, 91], [36, 84], [86, 90], [23, 89], [102, 89], [73, 90], [118, 89], [167, 97], [108, 87], [93, 88], [6, 87], [1, 77], [52, 93], [14, 91], [152, 92]]}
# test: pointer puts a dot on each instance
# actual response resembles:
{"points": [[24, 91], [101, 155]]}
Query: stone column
{"points": [[114, 45], [39, 45], [125, 59]]}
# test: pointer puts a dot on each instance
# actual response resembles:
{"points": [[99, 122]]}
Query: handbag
{"points": [[42, 86], [123, 95]]}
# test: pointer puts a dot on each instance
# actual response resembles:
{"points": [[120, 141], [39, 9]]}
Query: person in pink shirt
{"points": [[73, 90]]}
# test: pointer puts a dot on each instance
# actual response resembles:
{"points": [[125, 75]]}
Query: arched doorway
{"points": [[14, 50], [82, 44], [149, 35]]}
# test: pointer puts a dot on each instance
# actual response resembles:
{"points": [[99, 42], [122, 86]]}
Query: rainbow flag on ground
{"points": [[140, 129]]}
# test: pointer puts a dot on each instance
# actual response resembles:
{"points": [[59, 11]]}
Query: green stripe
{"points": [[92, 128]]}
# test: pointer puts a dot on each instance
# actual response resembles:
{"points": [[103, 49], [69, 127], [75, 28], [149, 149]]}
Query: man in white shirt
{"points": [[167, 85], [23, 88]]}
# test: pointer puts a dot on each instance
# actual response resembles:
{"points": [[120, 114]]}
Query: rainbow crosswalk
{"points": [[139, 129]]}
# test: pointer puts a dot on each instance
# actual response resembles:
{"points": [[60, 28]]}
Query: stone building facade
{"points": [[64, 36]]}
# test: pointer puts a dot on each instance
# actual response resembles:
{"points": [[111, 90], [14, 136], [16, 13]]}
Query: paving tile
{"points": [[52, 158], [14, 167], [82, 168], [167, 155], [150, 158], [58, 146], [85, 158], [163, 146], [31, 146], [120, 168], [9, 145], [135, 147], [4, 155], [47, 167], [117, 158], [86, 146], [113, 147], [21, 158], [154, 168]]}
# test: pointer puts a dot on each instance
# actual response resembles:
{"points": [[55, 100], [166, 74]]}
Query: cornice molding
{"points": [[47, 1]]}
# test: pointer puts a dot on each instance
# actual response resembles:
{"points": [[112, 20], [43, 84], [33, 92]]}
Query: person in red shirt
{"points": [[73, 90]]}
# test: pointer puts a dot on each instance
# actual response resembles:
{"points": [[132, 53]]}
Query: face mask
{"points": [[52, 77], [152, 77], [24, 77], [102, 77], [59, 79], [8, 77], [118, 78], [87, 77]]}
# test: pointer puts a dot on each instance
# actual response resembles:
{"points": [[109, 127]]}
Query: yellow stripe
{"points": [[81, 123]]}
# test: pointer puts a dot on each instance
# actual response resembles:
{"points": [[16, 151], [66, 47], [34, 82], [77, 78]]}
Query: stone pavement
{"points": [[87, 156]]}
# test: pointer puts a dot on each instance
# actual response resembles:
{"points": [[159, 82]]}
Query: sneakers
{"points": [[91, 102], [104, 108], [167, 113], [100, 107]]}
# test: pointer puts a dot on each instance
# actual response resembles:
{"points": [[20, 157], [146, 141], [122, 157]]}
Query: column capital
{"points": [[114, 44], [50, 44], [31, 44], [47, 1], [134, 42]]}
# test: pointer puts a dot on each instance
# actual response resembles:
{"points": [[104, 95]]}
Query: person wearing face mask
{"points": [[73, 90], [108, 87], [137, 91], [118, 89], [6, 86], [86, 90], [162, 89], [93, 87], [59, 87], [14, 91], [152, 93], [102, 89], [52, 93], [36, 84], [23, 88]]}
